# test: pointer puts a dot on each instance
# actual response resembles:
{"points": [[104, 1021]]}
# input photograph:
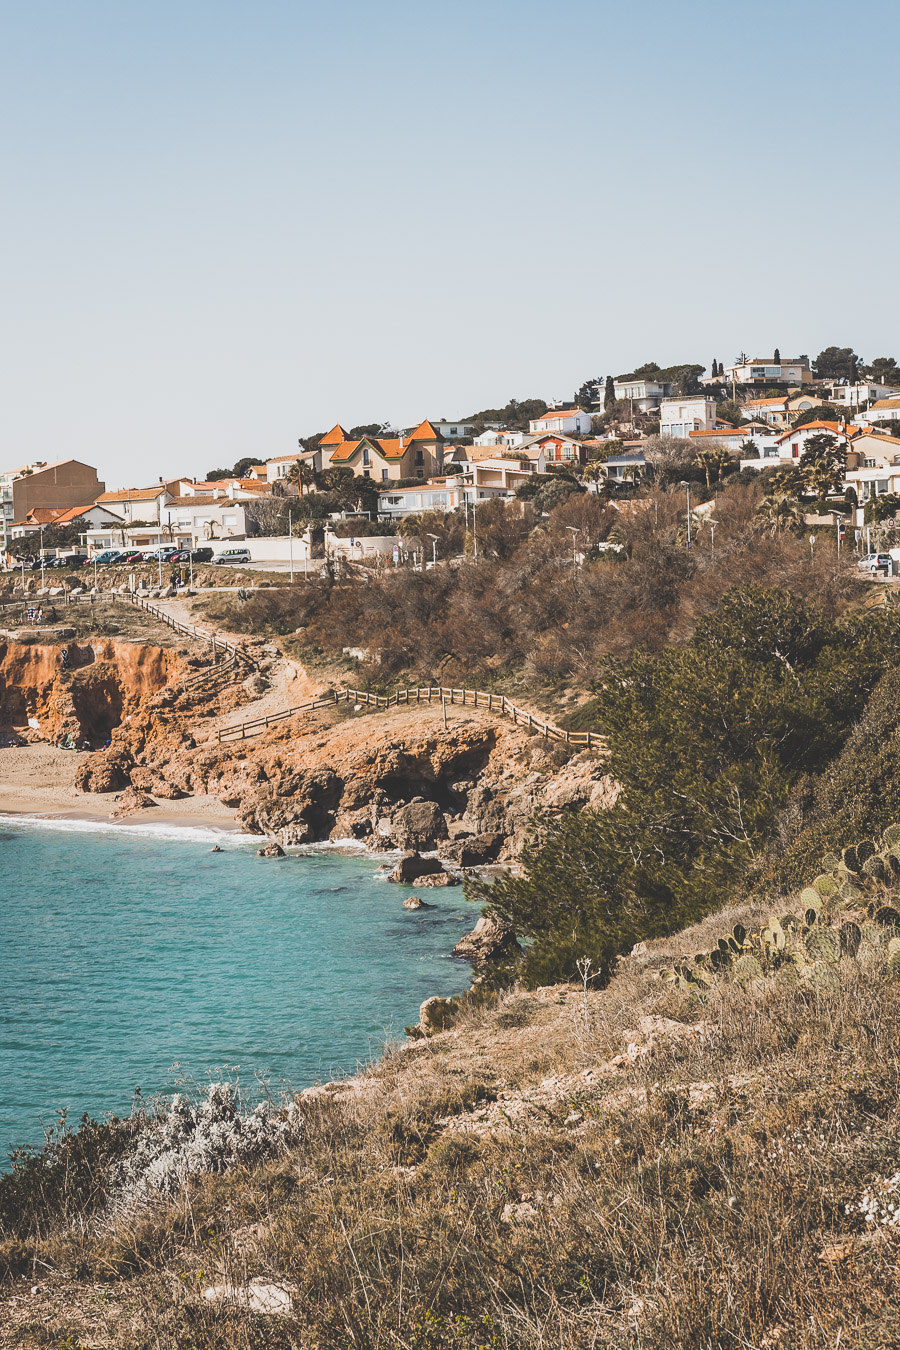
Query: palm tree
{"points": [[301, 473], [779, 513], [713, 459]]}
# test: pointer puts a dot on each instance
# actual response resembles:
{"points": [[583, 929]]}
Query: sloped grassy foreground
{"points": [[704, 1154]]}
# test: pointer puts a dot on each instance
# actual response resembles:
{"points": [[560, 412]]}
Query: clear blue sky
{"points": [[226, 224]]}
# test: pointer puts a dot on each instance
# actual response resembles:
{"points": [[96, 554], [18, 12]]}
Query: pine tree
{"points": [[777, 357], [609, 392]]}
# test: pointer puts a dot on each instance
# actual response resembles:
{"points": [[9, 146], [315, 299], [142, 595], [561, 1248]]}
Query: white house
{"points": [[499, 437], [137, 504], [452, 431], [855, 395], [643, 395], [436, 495], [882, 410], [680, 416], [569, 421], [204, 518], [766, 370]]}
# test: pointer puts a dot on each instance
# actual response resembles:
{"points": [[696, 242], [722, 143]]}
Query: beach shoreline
{"points": [[36, 781]]}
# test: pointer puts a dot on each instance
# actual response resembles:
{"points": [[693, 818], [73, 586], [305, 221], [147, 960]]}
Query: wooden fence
{"points": [[473, 698]]}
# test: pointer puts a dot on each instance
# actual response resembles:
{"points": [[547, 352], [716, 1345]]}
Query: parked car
{"points": [[71, 560], [192, 555], [877, 562], [132, 556], [108, 555], [163, 553], [229, 556]]}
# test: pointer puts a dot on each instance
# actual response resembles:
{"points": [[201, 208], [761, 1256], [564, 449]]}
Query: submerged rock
{"points": [[272, 850], [416, 902]]}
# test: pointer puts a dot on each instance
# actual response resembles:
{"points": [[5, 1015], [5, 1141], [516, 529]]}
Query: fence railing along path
{"points": [[473, 698], [226, 655]]}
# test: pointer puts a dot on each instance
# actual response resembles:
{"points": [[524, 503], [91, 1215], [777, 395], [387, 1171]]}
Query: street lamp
{"points": [[687, 488], [434, 538], [574, 531], [712, 527]]}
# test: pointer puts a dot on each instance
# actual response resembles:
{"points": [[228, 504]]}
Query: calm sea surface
{"points": [[125, 952]]}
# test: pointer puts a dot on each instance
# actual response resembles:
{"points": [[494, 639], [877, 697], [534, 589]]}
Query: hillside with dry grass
{"points": [[703, 1153]]}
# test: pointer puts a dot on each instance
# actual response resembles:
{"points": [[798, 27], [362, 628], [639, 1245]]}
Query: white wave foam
{"points": [[204, 834]]}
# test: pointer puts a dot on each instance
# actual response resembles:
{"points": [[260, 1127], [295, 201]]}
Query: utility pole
{"points": [[291, 544]]}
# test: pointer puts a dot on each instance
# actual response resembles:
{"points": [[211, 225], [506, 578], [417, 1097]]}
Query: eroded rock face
{"points": [[418, 825], [471, 792], [492, 939], [413, 867], [108, 771]]}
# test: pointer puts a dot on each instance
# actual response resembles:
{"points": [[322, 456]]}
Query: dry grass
{"points": [[507, 1185]]}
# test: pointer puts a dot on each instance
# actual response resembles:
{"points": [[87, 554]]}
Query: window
{"points": [[366, 473], [868, 464], [366, 459], [795, 451], [385, 474], [420, 473], [420, 457]]}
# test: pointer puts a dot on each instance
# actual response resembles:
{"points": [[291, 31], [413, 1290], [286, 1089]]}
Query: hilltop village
{"points": [[822, 434]]}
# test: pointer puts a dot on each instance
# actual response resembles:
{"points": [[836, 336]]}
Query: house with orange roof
{"points": [[568, 421], [42, 516], [788, 446], [139, 504], [882, 410], [416, 454]]}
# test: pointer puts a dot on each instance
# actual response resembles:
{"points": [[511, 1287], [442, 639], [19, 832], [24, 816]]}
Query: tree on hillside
{"points": [[587, 395], [776, 359], [705, 744], [780, 512], [837, 363], [884, 370], [302, 473], [713, 459], [729, 411], [609, 393], [668, 454], [823, 463], [822, 412]]}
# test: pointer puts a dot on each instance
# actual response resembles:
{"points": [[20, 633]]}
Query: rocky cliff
{"points": [[397, 779], [106, 681]]}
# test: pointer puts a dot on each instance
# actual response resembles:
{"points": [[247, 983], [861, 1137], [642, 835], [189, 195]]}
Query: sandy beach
{"points": [[38, 780]]}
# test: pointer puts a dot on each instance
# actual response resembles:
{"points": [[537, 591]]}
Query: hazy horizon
{"points": [[228, 226]]}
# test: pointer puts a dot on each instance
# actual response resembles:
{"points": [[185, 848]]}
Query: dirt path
{"points": [[289, 682]]}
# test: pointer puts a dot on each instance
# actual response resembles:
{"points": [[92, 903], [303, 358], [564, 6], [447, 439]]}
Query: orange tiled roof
{"points": [[834, 428], [131, 494], [425, 432], [723, 431], [387, 447], [334, 436], [554, 415]]}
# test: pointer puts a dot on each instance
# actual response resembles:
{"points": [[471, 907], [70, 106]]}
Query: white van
{"points": [[229, 556]]}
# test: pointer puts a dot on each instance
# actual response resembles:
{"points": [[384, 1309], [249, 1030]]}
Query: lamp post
{"points": [[574, 531], [712, 527], [291, 544], [687, 488], [434, 538]]}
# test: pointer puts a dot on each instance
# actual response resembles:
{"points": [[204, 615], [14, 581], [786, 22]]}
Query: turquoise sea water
{"points": [[124, 952]]}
